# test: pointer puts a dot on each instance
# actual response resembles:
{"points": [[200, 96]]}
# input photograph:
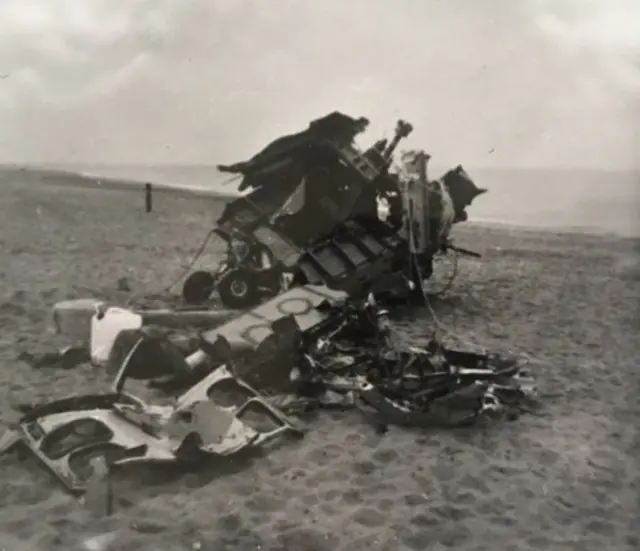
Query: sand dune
{"points": [[565, 478]]}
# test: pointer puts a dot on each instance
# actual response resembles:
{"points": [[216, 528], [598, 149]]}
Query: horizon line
{"points": [[164, 164]]}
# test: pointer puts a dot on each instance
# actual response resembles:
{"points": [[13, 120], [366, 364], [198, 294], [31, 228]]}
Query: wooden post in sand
{"points": [[147, 198]]}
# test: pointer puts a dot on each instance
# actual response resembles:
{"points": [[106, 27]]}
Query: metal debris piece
{"points": [[66, 435], [95, 327], [261, 345], [65, 358], [408, 386], [10, 439], [307, 305], [231, 398], [106, 324], [72, 318]]}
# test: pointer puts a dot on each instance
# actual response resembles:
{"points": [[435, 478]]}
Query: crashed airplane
{"points": [[312, 216], [319, 337]]}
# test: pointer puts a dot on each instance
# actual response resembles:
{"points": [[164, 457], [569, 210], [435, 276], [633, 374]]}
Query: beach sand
{"points": [[564, 478]]}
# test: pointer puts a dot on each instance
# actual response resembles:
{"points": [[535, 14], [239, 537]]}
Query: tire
{"points": [[238, 290], [198, 287]]}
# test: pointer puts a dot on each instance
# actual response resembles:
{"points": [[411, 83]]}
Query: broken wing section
{"points": [[251, 329]]}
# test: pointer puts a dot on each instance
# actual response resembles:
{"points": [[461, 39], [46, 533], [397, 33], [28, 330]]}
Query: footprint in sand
{"points": [[244, 538], [330, 510], [319, 477], [364, 468], [147, 526], [476, 485], [330, 494], [435, 537], [352, 497], [352, 439], [295, 474], [490, 507], [371, 541], [465, 498], [283, 525], [310, 500], [275, 468], [308, 538], [229, 524], [369, 517], [261, 503], [385, 504], [547, 457], [385, 456], [320, 455], [424, 520], [632, 541], [601, 527], [450, 512], [416, 500]]}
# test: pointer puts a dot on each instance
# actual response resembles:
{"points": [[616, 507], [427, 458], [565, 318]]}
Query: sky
{"points": [[488, 83]]}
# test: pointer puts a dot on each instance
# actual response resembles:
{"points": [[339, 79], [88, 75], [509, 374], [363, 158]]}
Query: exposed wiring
{"points": [[191, 264], [186, 270], [439, 325], [454, 273], [414, 263]]}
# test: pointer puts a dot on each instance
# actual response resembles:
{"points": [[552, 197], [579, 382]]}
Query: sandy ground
{"points": [[566, 478]]}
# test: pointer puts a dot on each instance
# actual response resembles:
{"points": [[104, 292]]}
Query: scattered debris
{"points": [[311, 346], [106, 324], [65, 358], [72, 318], [67, 435], [94, 327], [314, 268]]}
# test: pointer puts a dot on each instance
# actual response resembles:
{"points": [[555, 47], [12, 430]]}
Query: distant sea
{"points": [[577, 200]]}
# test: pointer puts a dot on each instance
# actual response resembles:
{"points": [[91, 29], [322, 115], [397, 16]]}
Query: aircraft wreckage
{"points": [[312, 267]]}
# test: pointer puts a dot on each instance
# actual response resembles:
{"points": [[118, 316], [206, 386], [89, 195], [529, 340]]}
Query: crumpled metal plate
{"points": [[237, 400], [65, 435]]}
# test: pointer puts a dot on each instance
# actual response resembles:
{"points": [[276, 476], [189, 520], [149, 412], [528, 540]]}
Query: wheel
{"points": [[238, 290], [198, 287]]}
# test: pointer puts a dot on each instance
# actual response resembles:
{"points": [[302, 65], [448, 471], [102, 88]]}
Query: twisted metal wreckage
{"points": [[312, 280]]}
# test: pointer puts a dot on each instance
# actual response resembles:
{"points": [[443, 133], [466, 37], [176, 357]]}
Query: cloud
{"points": [[78, 43], [25, 84], [214, 80], [112, 83], [603, 34], [95, 23]]}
